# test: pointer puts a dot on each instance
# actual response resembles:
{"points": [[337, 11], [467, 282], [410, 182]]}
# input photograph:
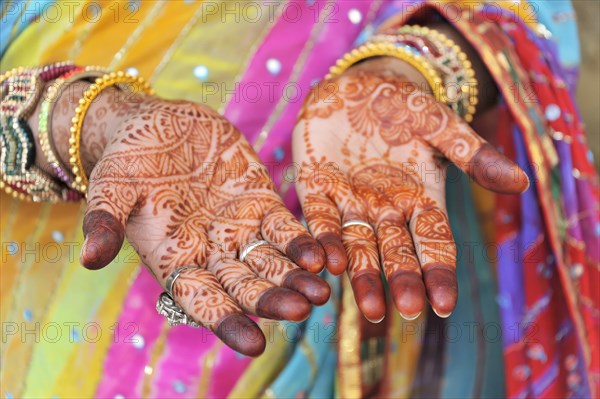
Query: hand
{"points": [[186, 189], [376, 150]]}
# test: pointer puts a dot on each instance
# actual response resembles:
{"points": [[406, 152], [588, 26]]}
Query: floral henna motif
{"points": [[386, 146], [433, 231], [186, 189]]}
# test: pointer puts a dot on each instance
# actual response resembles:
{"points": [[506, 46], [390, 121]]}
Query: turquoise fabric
{"points": [[560, 19], [473, 336], [18, 14], [302, 375]]}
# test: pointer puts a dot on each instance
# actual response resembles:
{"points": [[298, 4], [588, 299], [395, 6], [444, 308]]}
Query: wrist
{"points": [[102, 119]]}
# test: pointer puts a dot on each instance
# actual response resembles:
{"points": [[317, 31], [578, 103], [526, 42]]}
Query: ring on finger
{"points": [[250, 247], [166, 306], [174, 276], [356, 223]]}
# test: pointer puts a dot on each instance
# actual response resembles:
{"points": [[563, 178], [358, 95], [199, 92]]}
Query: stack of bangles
{"points": [[20, 91], [442, 62]]}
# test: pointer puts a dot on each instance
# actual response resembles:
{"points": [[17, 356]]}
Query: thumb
{"points": [[473, 155], [110, 201], [104, 236]]}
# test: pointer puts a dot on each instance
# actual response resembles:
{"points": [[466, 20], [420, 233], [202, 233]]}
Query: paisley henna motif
{"points": [[186, 189], [386, 147]]}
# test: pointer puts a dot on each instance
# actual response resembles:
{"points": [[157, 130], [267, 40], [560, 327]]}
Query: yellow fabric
{"points": [[37, 37], [163, 41], [20, 345], [217, 47], [94, 40], [63, 278], [402, 362], [263, 369]]}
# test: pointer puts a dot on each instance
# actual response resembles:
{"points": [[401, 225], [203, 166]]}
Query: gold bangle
{"points": [[377, 49], [452, 64], [470, 88], [33, 186], [80, 182], [45, 119]]}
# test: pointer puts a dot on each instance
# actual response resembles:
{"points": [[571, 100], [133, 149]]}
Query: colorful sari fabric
{"points": [[551, 283], [69, 332]]}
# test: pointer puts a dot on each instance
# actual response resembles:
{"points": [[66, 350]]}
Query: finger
{"points": [[387, 202], [401, 266], [324, 223], [202, 297], [363, 263], [254, 294], [197, 291], [436, 250], [301, 286], [281, 228], [472, 154], [109, 204]]}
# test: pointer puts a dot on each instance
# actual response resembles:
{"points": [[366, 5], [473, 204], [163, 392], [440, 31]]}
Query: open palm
{"points": [[187, 190], [375, 149]]}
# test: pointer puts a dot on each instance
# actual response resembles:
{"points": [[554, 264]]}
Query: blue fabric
{"points": [[303, 375], [17, 15], [559, 18]]}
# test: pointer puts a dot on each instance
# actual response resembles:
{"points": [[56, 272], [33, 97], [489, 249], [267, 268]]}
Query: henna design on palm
{"points": [[187, 189], [378, 151]]}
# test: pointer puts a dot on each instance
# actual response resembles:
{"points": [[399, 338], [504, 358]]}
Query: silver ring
{"points": [[356, 223], [248, 248], [175, 315], [173, 277]]}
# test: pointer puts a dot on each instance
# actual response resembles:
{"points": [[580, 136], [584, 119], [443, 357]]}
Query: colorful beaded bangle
{"points": [[34, 185], [20, 91], [45, 121], [371, 49], [112, 79], [447, 58], [21, 88]]}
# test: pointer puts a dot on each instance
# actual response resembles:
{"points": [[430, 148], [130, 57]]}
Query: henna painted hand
{"points": [[187, 189], [376, 149]]}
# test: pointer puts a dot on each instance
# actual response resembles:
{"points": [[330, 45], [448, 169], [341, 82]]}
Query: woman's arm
{"points": [[104, 116]]}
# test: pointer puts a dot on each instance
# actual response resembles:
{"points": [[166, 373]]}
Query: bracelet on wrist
{"points": [[80, 182], [377, 49], [45, 122], [441, 61], [20, 90]]}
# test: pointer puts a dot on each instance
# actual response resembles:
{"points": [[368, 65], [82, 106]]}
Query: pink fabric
{"points": [[329, 47], [227, 369], [127, 355], [178, 373], [259, 91]]}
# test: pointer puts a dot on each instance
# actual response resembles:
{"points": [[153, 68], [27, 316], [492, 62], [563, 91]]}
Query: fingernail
{"points": [[104, 237], [315, 289], [283, 304], [375, 321], [527, 181], [83, 250], [241, 334], [370, 296], [410, 318], [442, 315]]}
